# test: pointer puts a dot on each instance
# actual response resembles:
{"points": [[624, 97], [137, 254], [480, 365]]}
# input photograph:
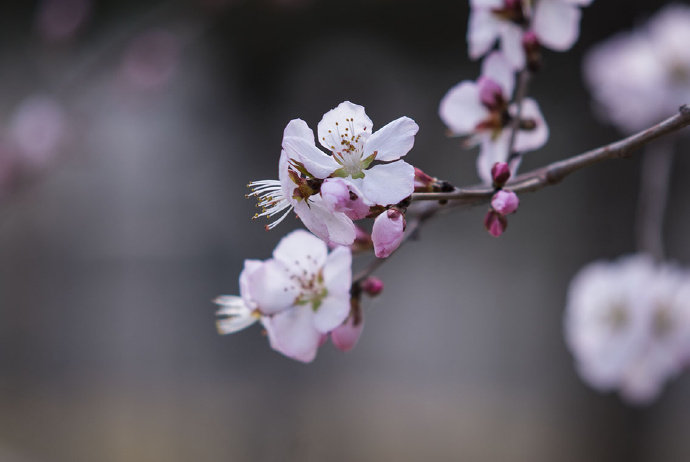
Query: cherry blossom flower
{"points": [[481, 111], [554, 23], [299, 295], [627, 324], [369, 165], [638, 78]]}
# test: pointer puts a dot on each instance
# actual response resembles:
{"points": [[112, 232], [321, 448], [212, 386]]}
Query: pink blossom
{"points": [[303, 169], [388, 232], [479, 112], [505, 202], [299, 295], [342, 196], [640, 77], [554, 23]]}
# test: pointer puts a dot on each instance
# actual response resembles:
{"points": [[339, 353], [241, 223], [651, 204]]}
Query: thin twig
{"points": [[654, 185], [520, 94], [555, 172]]}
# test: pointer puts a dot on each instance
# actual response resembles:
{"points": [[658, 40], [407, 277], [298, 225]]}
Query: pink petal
{"points": [[461, 109], [505, 202], [497, 67], [511, 44], [317, 163], [342, 196], [388, 183], [346, 336], [482, 32], [529, 140], [298, 128], [557, 24], [337, 272], [332, 312], [301, 250], [271, 288], [331, 227], [292, 333], [335, 121], [392, 141]]}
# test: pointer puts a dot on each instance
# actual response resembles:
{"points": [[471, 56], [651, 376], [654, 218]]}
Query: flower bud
{"points": [[387, 233], [340, 196], [372, 286], [505, 202], [532, 47], [490, 93], [346, 335], [495, 223], [422, 181], [500, 173]]}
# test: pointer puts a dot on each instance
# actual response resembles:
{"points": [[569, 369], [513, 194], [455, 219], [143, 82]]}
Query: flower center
{"points": [[347, 148]]}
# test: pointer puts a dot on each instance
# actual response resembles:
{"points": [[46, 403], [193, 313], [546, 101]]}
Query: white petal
{"points": [[298, 128], [293, 334], [392, 141], [482, 32], [335, 121], [332, 227], [490, 152], [337, 273], [461, 109], [318, 163], [486, 3], [511, 44], [271, 287], [497, 67], [332, 312], [301, 250], [529, 140], [557, 24], [245, 289], [388, 183]]}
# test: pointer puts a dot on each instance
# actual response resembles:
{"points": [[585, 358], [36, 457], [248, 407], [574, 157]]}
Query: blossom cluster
{"points": [[639, 77], [361, 176], [627, 323], [300, 296]]}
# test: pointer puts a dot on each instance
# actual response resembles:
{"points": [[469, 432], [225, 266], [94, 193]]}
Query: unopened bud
{"points": [[532, 47], [422, 181], [500, 173], [490, 93], [362, 242], [372, 286], [346, 335], [495, 223], [505, 202], [387, 233]]}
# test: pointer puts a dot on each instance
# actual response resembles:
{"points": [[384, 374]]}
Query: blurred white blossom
{"points": [[628, 325], [638, 78]]}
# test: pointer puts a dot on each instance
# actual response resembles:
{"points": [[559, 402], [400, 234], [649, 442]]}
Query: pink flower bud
{"points": [[530, 40], [372, 286], [505, 202], [343, 197], [495, 223], [422, 181], [500, 173], [346, 335], [387, 232], [490, 93]]}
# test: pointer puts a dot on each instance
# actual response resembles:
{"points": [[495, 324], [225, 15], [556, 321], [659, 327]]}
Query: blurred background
{"points": [[128, 131]]}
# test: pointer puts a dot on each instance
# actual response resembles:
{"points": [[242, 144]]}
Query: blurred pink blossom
{"points": [[59, 20], [38, 129]]}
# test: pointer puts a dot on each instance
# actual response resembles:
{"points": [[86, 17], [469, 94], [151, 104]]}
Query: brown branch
{"points": [[555, 172]]}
